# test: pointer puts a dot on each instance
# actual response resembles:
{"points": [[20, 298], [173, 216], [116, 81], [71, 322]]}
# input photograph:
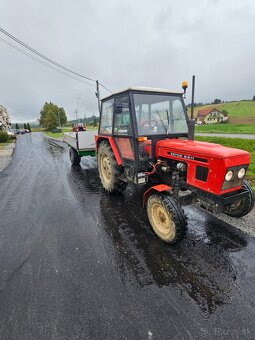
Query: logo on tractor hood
{"points": [[174, 154]]}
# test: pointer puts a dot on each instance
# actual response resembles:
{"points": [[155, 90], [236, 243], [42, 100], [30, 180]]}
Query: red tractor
{"points": [[146, 136]]}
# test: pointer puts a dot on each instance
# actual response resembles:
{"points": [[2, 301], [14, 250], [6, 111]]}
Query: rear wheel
{"points": [[74, 157], [166, 218], [243, 206], [109, 170]]}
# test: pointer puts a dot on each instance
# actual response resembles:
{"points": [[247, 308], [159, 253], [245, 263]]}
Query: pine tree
{"points": [[17, 126], [28, 127], [25, 126]]}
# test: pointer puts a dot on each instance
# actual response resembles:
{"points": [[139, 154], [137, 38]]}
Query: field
{"points": [[241, 117], [226, 128], [244, 144], [244, 108]]}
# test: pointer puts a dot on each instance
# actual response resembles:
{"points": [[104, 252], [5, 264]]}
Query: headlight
{"points": [[241, 173], [229, 175]]}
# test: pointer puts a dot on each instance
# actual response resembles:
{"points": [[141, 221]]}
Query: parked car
{"points": [[11, 133]]}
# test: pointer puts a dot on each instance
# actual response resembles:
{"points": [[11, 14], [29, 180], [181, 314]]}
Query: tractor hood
{"points": [[193, 148]]}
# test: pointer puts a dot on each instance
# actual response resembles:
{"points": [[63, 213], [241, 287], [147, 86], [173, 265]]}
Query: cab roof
{"points": [[144, 89]]}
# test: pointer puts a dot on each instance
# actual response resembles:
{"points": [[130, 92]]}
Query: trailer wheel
{"points": [[74, 157], [243, 206], [109, 170], [166, 218]]}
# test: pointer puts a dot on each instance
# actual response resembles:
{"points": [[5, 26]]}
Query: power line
{"points": [[43, 56], [43, 63], [105, 87], [48, 59]]}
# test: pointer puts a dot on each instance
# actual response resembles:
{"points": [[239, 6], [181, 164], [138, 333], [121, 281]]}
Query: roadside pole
{"points": [[98, 96], [192, 99]]}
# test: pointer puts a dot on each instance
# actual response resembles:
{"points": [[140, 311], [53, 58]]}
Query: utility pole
{"points": [[98, 96], [77, 111]]}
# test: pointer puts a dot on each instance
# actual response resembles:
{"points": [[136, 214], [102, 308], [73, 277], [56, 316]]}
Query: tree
{"points": [[253, 98], [50, 121], [62, 116], [17, 126], [25, 126], [94, 121], [217, 101], [225, 112], [59, 112], [28, 127]]}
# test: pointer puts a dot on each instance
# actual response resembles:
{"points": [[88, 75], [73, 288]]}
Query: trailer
{"points": [[81, 143], [145, 136]]}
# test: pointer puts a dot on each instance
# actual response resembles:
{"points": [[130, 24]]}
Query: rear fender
{"points": [[110, 140], [155, 188]]}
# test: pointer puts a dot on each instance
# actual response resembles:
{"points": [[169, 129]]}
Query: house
{"points": [[5, 122], [211, 116]]}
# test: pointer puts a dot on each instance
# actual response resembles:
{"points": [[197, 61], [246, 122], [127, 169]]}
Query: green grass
{"points": [[60, 134], [244, 144], [53, 134], [226, 128], [36, 129], [244, 108], [3, 145]]}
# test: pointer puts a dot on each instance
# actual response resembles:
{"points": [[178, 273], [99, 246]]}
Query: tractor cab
{"points": [[137, 118]]}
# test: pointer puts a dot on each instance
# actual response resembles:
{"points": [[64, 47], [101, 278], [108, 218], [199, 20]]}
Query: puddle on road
{"points": [[201, 267]]}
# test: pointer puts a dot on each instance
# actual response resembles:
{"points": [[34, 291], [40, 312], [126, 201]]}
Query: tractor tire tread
{"points": [[117, 186], [246, 206], [178, 214]]}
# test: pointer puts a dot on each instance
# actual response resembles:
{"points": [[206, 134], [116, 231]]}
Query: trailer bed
{"points": [[82, 141]]}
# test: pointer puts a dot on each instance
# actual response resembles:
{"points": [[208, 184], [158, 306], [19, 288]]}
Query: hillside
{"points": [[240, 112]]}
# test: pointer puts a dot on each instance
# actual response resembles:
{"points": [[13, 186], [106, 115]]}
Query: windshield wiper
{"points": [[168, 122], [161, 120]]}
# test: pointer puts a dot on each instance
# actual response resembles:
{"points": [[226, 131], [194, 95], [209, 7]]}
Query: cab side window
{"points": [[106, 117], [122, 121]]}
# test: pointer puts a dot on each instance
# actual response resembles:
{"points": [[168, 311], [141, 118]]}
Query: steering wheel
{"points": [[149, 125]]}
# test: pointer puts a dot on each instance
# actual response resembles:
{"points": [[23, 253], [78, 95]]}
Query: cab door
{"points": [[123, 132]]}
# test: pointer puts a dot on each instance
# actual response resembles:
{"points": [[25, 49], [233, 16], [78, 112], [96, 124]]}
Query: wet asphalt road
{"points": [[76, 263]]}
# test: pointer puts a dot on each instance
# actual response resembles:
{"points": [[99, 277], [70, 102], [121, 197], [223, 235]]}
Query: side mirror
{"points": [[118, 107]]}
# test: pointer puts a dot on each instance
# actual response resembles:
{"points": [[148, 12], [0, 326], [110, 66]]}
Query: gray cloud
{"points": [[123, 43]]}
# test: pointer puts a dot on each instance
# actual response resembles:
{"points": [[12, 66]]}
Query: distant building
{"points": [[5, 122], [211, 116]]}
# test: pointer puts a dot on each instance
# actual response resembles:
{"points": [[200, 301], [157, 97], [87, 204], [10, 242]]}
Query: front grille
{"points": [[201, 173]]}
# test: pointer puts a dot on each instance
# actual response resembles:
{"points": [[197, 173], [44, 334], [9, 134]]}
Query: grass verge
{"points": [[226, 128], [53, 134], [60, 134], [3, 145], [244, 144]]}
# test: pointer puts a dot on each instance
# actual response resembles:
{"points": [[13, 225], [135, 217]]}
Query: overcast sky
{"points": [[125, 43]]}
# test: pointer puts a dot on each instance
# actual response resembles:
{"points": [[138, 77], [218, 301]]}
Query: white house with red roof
{"points": [[211, 116]]}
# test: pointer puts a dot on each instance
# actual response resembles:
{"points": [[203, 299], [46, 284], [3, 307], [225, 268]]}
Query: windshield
{"points": [[160, 114]]}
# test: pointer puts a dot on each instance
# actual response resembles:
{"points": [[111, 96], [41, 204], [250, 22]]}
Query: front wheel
{"points": [[243, 206], [166, 218]]}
